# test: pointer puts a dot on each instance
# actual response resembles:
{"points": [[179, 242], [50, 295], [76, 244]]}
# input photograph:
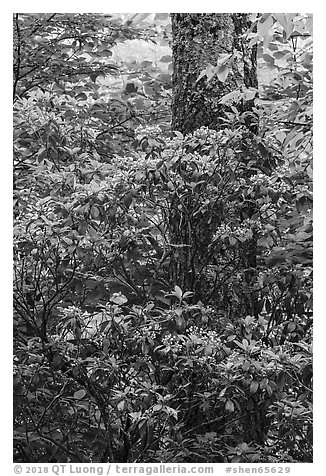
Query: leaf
{"points": [[307, 373], [187, 294], [250, 93], [233, 96], [232, 241], [253, 387], [106, 54], [245, 344], [208, 350], [142, 427], [118, 298], [131, 88], [178, 292], [209, 72], [309, 24], [246, 366], [178, 134], [291, 327], [127, 200], [121, 406], [95, 212], [166, 59], [77, 333], [253, 41], [202, 74], [171, 412], [280, 380], [222, 72], [57, 361], [269, 59], [275, 260], [80, 394], [139, 17], [180, 323], [229, 406], [222, 392], [281, 19], [161, 16], [81, 96], [264, 25]]}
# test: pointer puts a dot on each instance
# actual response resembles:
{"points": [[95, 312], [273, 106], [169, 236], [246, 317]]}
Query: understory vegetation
{"points": [[162, 282]]}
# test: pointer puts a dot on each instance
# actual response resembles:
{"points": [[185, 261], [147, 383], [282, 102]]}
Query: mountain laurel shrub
{"points": [[162, 300]]}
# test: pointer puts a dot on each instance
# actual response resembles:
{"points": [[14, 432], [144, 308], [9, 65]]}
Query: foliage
{"points": [[142, 331]]}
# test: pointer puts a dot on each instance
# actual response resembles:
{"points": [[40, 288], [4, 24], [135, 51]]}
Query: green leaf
{"points": [[166, 59], [118, 298], [210, 72], [229, 406], [131, 88], [178, 134], [233, 96], [246, 366], [254, 387], [208, 350], [80, 394], [81, 96], [253, 41], [161, 16], [280, 380], [281, 19], [291, 327], [127, 200], [180, 323], [222, 72], [139, 18], [57, 361], [264, 25], [250, 93]]}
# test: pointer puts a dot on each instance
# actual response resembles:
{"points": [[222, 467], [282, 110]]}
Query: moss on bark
{"points": [[199, 39]]}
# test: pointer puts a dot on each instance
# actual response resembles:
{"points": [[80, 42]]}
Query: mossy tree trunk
{"points": [[199, 39]]}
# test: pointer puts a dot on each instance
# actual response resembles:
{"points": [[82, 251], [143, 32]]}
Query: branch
{"points": [[216, 420], [18, 55], [51, 440], [113, 127]]}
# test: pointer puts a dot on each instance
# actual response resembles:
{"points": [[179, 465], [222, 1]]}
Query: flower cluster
{"points": [[282, 170], [243, 232], [73, 311], [199, 336], [211, 136], [130, 166], [88, 189], [152, 132], [172, 343], [273, 182], [36, 111], [149, 332], [301, 188], [281, 187]]}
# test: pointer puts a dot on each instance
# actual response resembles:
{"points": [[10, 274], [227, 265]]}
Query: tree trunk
{"points": [[200, 39]]}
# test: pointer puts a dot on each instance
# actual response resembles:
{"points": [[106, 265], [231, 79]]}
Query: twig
{"points": [[18, 55]]}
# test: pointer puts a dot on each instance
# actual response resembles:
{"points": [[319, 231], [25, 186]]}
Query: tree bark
{"points": [[199, 39]]}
